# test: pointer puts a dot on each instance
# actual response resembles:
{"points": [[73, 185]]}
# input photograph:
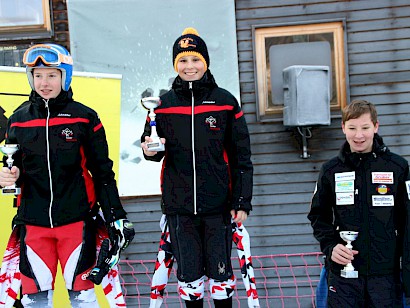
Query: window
{"points": [[277, 47], [22, 19]]}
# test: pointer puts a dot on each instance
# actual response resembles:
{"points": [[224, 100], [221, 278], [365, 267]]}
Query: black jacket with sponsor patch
{"points": [[207, 167], [376, 204], [63, 159]]}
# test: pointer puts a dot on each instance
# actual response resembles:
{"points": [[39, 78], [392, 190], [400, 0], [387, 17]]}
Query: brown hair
{"points": [[357, 108]]}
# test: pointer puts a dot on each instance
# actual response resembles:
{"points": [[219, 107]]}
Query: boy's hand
{"points": [[343, 255], [8, 176], [239, 216], [145, 148]]}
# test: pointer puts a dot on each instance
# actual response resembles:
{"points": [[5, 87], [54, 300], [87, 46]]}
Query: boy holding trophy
{"points": [[207, 171], [362, 199], [65, 175]]}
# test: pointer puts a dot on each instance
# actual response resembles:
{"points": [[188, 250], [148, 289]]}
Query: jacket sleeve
{"points": [[147, 132], [321, 215], [240, 164], [101, 168], [404, 190]]}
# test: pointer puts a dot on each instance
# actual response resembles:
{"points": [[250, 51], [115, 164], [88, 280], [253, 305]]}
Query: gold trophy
{"points": [[348, 271], [151, 103], [9, 150]]}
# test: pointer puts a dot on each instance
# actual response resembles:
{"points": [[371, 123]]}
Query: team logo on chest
{"points": [[68, 135], [211, 121]]}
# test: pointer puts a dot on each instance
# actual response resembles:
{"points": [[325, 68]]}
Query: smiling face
{"points": [[47, 82], [360, 132], [190, 68]]}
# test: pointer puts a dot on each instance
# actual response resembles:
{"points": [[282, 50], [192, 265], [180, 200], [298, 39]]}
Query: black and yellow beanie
{"points": [[190, 44]]}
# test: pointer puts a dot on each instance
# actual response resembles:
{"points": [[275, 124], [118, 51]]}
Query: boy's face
{"points": [[360, 132], [190, 68], [47, 82]]}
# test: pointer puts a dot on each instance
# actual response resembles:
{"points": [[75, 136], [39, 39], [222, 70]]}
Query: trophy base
{"points": [[156, 146], [349, 274], [11, 191]]}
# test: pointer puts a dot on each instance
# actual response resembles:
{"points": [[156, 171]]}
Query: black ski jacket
{"points": [[65, 171], [365, 192], [207, 167]]}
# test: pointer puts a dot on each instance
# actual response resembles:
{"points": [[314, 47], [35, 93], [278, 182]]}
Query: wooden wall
{"points": [[378, 44], [378, 53]]}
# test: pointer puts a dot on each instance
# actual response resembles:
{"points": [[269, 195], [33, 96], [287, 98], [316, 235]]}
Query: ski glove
{"points": [[120, 233]]}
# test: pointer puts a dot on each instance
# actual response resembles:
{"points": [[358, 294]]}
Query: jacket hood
{"points": [[346, 156]]}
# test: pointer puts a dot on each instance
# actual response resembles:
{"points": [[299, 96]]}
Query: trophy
{"points": [[9, 150], [151, 103], [348, 271]]}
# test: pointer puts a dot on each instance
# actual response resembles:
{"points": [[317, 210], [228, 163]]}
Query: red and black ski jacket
{"points": [[64, 166], [207, 167]]}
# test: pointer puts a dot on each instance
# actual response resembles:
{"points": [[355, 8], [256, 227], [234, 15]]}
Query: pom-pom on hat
{"points": [[190, 44]]}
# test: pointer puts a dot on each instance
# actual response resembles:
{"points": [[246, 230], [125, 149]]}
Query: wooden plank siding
{"points": [[378, 34], [378, 55]]}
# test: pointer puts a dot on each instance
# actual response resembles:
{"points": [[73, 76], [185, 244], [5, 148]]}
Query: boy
{"points": [[363, 189], [207, 172], [65, 176]]}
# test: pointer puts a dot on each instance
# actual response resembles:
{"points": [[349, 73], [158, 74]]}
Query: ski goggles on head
{"points": [[47, 54]]}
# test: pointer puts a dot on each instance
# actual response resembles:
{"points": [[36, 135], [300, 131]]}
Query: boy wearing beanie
{"points": [[207, 172]]}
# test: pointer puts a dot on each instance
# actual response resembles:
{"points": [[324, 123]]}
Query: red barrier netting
{"points": [[282, 280]]}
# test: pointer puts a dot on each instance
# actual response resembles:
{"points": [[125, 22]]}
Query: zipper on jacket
{"points": [[193, 142], [363, 199], [48, 164]]}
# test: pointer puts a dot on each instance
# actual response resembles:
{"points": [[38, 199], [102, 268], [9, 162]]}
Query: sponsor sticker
{"points": [[382, 189], [345, 176], [344, 198], [382, 177], [387, 200], [408, 189], [344, 186]]}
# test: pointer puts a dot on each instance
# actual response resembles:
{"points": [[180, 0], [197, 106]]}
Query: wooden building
{"points": [[375, 65], [370, 59]]}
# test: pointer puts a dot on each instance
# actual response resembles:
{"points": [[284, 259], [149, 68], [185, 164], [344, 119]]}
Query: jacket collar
{"points": [[54, 103], [346, 156], [200, 87]]}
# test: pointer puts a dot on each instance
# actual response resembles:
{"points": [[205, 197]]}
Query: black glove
{"points": [[120, 233], [103, 263]]}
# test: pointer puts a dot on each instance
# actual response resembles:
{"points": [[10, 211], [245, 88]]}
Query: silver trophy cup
{"points": [[9, 150], [348, 271], [151, 103]]}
